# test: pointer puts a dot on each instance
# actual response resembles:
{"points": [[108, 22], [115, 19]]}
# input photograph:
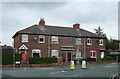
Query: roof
{"points": [[57, 30]]}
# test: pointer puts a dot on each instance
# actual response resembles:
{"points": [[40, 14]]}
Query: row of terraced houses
{"points": [[65, 43]]}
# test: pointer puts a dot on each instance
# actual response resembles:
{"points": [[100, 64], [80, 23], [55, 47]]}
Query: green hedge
{"points": [[107, 58], [7, 58], [18, 57], [37, 60]]}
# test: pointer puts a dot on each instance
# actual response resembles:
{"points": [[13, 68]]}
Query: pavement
{"points": [[109, 71]]}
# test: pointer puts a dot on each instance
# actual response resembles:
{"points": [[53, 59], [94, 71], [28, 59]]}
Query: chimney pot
{"points": [[42, 22], [76, 26]]}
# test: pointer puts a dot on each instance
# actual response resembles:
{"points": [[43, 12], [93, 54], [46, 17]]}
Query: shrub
{"points": [[7, 58], [37, 60], [18, 57], [106, 58]]}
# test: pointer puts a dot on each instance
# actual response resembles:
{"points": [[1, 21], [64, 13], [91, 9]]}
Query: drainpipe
{"points": [[84, 48], [49, 46]]}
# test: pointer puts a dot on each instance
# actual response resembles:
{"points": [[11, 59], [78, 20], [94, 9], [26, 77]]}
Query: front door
{"points": [[69, 56], [23, 56]]}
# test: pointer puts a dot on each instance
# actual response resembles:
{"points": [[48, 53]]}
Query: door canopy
{"points": [[23, 47]]}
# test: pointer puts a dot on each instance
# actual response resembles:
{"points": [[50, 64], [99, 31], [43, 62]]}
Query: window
{"points": [[78, 54], [89, 41], [101, 42], [24, 38], [41, 39], [93, 54], [54, 40], [78, 41], [36, 53], [54, 53]]}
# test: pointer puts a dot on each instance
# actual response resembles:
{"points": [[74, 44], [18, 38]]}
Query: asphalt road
{"points": [[93, 70]]}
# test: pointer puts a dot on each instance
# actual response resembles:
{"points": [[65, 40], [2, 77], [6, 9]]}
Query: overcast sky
{"points": [[90, 15]]}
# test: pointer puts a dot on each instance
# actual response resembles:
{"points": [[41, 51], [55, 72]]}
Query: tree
{"points": [[100, 31]]}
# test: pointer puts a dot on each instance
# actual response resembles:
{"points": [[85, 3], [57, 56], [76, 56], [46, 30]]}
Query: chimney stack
{"points": [[76, 26], [42, 22]]}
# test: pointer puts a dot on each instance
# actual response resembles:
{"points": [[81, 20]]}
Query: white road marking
{"points": [[63, 71], [57, 72], [108, 66], [46, 68], [92, 68], [114, 63]]}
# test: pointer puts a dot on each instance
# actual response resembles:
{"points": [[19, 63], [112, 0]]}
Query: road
{"points": [[93, 70]]}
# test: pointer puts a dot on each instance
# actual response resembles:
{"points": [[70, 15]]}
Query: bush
{"points": [[106, 58], [7, 58], [18, 57], [37, 60]]}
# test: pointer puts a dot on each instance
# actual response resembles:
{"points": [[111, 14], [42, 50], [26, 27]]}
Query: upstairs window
{"points": [[54, 40], [93, 54], [78, 41], [89, 41], [41, 39], [54, 53], [24, 38], [101, 42]]}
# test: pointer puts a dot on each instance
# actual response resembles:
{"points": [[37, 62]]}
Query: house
{"points": [[65, 43]]}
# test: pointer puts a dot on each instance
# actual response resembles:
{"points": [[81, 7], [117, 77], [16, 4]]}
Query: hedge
{"points": [[37, 60], [7, 58], [106, 58], [18, 57]]}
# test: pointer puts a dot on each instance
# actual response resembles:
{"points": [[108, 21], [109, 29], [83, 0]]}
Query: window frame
{"points": [[53, 39], [78, 55], [24, 38], [90, 41], [53, 51], [78, 41], [92, 55], [36, 52], [101, 40], [43, 36]]}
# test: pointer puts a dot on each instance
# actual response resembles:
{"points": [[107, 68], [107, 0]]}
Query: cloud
{"points": [[19, 15]]}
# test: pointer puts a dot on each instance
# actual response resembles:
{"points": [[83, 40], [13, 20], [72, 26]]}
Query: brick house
{"points": [[65, 43]]}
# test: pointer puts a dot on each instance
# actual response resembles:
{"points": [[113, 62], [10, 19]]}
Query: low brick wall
{"points": [[46, 65], [102, 62], [54, 64]]}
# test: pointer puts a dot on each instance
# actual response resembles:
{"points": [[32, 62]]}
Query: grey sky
{"points": [[90, 15]]}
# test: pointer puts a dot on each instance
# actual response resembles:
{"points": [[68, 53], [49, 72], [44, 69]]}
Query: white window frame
{"points": [[24, 38], [36, 51], [78, 54], [42, 36], [89, 43], [54, 51], [101, 42], [78, 41], [54, 39], [92, 54]]}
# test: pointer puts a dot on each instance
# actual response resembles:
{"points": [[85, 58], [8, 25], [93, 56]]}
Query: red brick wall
{"points": [[63, 41]]}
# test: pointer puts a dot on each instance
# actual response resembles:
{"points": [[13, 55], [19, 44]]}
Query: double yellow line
{"points": [[114, 76]]}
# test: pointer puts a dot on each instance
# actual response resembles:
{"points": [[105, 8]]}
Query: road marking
{"points": [[57, 72], [113, 75], [46, 68], [108, 66], [92, 67], [63, 71], [114, 63]]}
